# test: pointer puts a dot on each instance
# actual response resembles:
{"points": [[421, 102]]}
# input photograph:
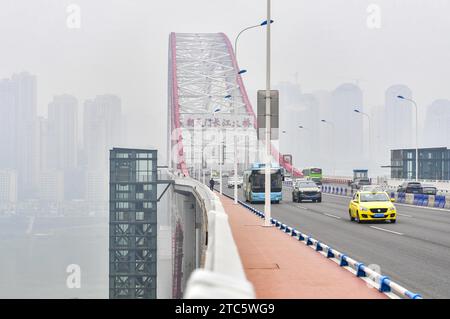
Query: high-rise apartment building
{"points": [[63, 132], [8, 189], [18, 130]]}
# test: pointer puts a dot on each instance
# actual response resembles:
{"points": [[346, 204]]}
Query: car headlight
{"points": [[391, 209], [364, 209]]}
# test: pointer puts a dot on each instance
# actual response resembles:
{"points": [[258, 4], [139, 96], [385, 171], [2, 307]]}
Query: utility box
{"points": [[274, 114]]}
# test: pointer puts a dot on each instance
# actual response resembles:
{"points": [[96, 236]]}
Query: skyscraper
{"points": [[437, 124], [298, 109], [8, 121], [63, 132], [399, 116], [18, 130], [8, 189], [102, 130], [348, 128]]}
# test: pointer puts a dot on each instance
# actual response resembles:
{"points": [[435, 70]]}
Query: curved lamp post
{"points": [[401, 97]]}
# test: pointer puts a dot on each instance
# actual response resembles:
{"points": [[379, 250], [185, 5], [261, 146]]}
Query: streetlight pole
{"points": [[370, 131], [217, 110], [236, 86], [305, 128], [334, 160], [267, 184], [220, 160], [292, 164], [417, 133]]}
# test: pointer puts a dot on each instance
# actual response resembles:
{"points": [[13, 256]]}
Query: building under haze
{"points": [[63, 132], [347, 137], [398, 117], [436, 132], [8, 189], [102, 130], [18, 131], [8, 121], [298, 109]]}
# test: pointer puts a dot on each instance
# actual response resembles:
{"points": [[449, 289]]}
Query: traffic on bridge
{"points": [[257, 154]]}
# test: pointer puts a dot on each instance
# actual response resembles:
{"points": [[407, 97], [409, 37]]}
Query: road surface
{"points": [[414, 252]]}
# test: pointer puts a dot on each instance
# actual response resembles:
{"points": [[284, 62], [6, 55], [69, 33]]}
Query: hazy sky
{"points": [[121, 47]]}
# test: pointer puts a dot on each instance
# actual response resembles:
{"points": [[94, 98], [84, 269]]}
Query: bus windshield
{"points": [[258, 182]]}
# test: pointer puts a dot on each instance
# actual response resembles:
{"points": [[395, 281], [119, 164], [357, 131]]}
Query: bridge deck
{"points": [[279, 266]]}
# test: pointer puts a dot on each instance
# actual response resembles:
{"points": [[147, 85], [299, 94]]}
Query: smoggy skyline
{"points": [[121, 48]]}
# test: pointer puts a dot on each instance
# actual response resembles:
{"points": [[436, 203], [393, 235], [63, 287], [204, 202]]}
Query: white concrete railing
{"points": [[223, 275], [442, 186]]}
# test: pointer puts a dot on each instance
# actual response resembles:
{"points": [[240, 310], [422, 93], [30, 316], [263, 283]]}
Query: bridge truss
{"points": [[209, 107]]}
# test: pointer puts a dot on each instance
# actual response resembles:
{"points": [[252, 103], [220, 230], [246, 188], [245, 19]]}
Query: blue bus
{"points": [[254, 183]]}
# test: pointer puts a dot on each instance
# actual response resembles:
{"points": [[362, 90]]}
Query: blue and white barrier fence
{"points": [[383, 283], [436, 201]]}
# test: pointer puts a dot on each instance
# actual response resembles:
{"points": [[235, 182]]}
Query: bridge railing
{"points": [[440, 200], [222, 276]]}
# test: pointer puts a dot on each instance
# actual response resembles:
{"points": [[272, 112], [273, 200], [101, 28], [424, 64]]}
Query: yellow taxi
{"points": [[372, 206]]}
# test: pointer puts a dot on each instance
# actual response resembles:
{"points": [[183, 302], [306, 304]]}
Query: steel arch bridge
{"points": [[209, 107]]}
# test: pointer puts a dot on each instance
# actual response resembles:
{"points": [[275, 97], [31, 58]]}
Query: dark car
{"points": [[429, 190], [306, 190], [410, 188]]}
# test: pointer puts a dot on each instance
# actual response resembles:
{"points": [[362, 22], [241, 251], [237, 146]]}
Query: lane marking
{"points": [[387, 230], [404, 215], [302, 207], [333, 216]]}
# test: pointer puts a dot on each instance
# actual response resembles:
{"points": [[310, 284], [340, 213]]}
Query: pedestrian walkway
{"points": [[279, 266]]}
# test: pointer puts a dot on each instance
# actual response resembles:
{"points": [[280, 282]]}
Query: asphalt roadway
{"points": [[414, 252]]}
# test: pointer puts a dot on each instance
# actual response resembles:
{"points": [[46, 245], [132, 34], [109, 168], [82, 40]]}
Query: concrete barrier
{"points": [[447, 201], [409, 199], [431, 200], [439, 201], [416, 199]]}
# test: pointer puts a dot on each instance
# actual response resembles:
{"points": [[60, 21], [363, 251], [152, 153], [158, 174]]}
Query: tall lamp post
{"points": [[292, 166], [334, 160], [305, 128], [401, 97], [217, 110], [370, 130], [236, 86], [267, 180]]}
